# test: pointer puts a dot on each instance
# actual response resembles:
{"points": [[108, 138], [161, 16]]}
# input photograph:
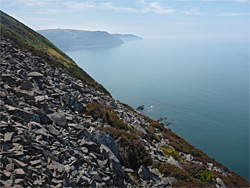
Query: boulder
{"points": [[53, 130], [140, 108], [114, 162], [168, 180], [27, 85], [22, 114], [143, 172], [220, 183], [8, 136], [102, 138], [35, 74], [172, 161], [189, 157], [136, 125], [58, 118]]}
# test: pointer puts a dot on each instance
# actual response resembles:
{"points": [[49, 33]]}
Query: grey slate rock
{"points": [[143, 172], [27, 85], [58, 118], [102, 138], [114, 162], [53, 130], [8, 136], [59, 167], [35, 74]]}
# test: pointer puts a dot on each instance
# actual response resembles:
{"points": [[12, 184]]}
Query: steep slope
{"points": [[40, 46], [57, 132], [77, 39]]}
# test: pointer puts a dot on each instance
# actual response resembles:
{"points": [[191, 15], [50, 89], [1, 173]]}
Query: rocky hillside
{"points": [[40, 46], [56, 131], [68, 39]]}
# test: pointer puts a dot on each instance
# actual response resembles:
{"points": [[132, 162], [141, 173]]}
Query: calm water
{"points": [[203, 89]]}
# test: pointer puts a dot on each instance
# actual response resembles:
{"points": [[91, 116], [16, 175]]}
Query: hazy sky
{"points": [[171, 19]]}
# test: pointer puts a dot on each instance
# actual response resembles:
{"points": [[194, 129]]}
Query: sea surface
{"points": [[201, 87]]}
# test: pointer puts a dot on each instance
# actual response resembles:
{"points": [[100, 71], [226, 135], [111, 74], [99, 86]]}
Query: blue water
{"points": [[201, 87]]}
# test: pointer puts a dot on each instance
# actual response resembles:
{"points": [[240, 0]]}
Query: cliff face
{"points": [[57, 131]]}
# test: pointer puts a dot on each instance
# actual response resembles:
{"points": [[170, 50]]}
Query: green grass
{"points": [[32, 41], [206, 175], [170, 152], [155, 137]]}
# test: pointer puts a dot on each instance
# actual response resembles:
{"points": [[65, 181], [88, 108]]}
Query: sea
{"points": [[200, 87]]}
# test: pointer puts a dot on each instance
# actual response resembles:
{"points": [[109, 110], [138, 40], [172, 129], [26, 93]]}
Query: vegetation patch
{"points": [[116, 133], [107, 115], [194, 170], [184, 179], [190, 182], [170, 170], [170, 152], [155, 137], [206, 175], [132, 151]]}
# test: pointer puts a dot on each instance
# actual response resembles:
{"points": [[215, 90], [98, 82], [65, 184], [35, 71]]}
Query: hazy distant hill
{"points": [[72, 39], [127, 37]]}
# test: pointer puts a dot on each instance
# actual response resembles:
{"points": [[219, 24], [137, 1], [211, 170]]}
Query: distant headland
{"points": [[79, 39]]}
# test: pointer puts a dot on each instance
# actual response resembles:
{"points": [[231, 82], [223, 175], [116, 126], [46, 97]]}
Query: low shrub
{"points": [[116, 133], [171, 170], [133, 152], [184, 179], [190, 182], [106, 114], [193, 169], [167, 151], [206, 175], [155, 137]]}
